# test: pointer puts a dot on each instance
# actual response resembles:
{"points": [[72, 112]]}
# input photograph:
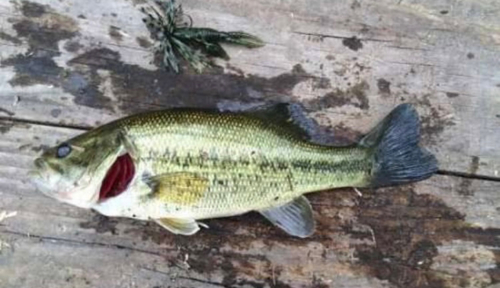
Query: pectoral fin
{"points": [[179, 226], [295, 217], [182, 188]]}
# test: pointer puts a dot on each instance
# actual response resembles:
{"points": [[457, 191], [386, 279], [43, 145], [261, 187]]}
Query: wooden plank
{"points": [[59, 263], [404, 236], [80, 71], [78, 64]]}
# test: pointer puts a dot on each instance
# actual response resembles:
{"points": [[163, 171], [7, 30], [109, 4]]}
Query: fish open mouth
{"points": [[117, 178]]}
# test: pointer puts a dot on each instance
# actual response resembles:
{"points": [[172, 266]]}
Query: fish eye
{"points": [[63, 150]]}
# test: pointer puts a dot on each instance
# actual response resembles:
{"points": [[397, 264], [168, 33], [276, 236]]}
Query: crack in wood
{"points": [[218, 284], [202, 281], [468, 175], [339, 37], [83, 243], [408, 48], [44, 123], [86, 128], [412, 63]]}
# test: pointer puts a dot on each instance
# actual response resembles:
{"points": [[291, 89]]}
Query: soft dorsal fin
{"points": [[295, 218], [290, 115]]}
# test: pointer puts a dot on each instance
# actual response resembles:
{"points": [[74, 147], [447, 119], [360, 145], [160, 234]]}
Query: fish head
{"points": [[73, 171]]}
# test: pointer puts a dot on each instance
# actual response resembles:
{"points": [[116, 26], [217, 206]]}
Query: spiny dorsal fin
{"points": [[290, 115]]}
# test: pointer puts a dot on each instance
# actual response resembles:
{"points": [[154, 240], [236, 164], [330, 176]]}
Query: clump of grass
{"points": [[176, 37]]}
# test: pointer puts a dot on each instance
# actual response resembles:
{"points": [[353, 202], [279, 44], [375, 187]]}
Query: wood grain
{"points": [[66, 66]]}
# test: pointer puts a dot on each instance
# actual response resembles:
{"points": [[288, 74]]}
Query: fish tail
{"points": [[397, 157]]}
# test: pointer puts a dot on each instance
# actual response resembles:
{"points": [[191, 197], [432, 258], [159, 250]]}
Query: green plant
{"points": [[173, 31]]}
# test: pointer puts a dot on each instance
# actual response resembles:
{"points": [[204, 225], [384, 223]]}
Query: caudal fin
{"points": [[397, 157]]}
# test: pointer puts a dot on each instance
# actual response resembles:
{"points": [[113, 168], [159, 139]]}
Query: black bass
{"points": [[179, 166]]}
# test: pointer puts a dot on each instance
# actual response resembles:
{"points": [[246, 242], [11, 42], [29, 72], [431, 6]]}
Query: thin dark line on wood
{"points": [[42, 123], [73, 241], [2, 43], [183, 277], [339, 37], [86, 128], [202, 281], [407, 48], [412, 63], [468, 175]]}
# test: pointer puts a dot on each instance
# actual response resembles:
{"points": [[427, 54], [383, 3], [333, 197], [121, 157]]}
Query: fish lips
{"points": [[40, 179], [116, 181], [52, 186]]}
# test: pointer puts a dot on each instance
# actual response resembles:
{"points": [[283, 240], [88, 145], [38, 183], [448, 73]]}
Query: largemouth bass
{"points": [[179, 166]]}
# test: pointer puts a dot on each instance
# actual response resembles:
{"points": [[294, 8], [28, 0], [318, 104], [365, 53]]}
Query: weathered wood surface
{"points": [[66, 66]]}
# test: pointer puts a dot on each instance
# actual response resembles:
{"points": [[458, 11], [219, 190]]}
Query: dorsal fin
{"points": [[290, 115]]}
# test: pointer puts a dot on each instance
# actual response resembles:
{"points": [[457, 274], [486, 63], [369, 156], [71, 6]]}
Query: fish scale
{"points": [[237, 150]]}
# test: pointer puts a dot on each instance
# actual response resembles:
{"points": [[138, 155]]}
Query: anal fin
{"points": [[295, 218]]}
